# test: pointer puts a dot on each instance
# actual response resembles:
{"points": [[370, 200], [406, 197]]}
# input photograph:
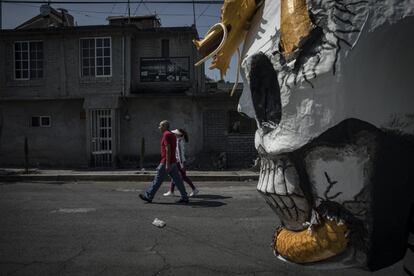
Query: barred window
{"points": [[96, 57], [28, 60], [41, 121]]}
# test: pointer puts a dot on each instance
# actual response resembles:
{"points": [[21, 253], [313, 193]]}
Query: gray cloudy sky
{"points": [[89, 14]]}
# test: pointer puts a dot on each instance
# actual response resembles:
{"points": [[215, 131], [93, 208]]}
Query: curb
{"points": [[117, 178]]}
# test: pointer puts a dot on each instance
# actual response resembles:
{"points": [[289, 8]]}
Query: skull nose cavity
{"points": [[265, 90]]}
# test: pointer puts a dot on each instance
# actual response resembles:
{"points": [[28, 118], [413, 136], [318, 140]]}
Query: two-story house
{"points": [[88, 95]]}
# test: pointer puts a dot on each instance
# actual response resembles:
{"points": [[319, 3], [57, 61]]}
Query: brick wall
{"points": [[215, 130], [239, 148], [241, 151]]}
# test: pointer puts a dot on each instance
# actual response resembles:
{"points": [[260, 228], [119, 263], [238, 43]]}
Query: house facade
{"points": [[92, 96]]}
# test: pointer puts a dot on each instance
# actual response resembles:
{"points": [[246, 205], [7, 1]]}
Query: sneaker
{"points": [[144, 198], [182, 201], [194, 192], [169, 193]]}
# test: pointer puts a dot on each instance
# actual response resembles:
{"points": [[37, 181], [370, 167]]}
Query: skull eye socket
{"points": [[265, 90]]}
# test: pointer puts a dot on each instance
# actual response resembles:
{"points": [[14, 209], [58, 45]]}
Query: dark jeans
{"points": [[159, 178], [184, 177]]}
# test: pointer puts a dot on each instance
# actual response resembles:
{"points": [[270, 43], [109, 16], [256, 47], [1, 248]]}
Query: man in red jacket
{"points": [[168, 165]]}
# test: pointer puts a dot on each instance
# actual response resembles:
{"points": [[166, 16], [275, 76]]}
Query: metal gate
{"points": [[101, 137]]}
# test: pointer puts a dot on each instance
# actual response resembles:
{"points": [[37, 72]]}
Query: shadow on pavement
{"points": [[205, 203], [211, 196], [196, 203]]}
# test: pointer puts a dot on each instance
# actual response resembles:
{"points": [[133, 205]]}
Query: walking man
{"points": [[168, 165]]}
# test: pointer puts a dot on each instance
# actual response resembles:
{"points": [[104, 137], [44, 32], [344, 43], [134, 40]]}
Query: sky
{"points": [[14, 14]]}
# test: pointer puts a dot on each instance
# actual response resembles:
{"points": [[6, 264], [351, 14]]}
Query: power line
{"points": [[113, 7], [105, 12], [126, 9], [212, 2], [146, 7], [136, 9], [202, 13]]}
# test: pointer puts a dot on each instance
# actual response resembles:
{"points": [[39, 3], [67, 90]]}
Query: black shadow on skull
{"points": [[377, 212]]}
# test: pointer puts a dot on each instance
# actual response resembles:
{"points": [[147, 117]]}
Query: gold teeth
{"points": [[322, 242]]}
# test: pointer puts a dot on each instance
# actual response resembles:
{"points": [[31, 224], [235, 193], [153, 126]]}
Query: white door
{"points": [[101, 136]]}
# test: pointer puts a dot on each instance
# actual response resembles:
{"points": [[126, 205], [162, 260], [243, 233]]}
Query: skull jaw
{"points": [[279, 185], [289, 186], [296, 240]]}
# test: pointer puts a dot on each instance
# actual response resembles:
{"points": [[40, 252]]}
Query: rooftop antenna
{"points": [[1, 13], [129, 13], [194, 13]]}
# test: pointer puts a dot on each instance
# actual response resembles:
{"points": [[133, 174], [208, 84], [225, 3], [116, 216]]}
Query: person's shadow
{"points": [[201, 201]]}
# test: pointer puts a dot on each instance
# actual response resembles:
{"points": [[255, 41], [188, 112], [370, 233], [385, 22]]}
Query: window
{"points": [[28, 60], [171, 69], [35, 121], [165, 48], [241, 124], [96, 57], [41, 121]]}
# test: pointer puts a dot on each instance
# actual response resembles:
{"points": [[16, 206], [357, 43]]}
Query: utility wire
{"points": [[113, 8], [104, 12], [136, 9], [212, 2], [126, 9], [201, 14], [146, 7]]}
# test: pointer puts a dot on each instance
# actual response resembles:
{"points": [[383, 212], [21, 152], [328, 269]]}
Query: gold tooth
{"points": [[325, 241]]}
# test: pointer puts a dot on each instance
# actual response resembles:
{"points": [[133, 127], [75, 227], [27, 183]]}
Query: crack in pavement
{"points": [[215, 270], [24, 265], [62, 264], [243, 227], [166, 265], [205, 268], [102, 271], [217, 246]]}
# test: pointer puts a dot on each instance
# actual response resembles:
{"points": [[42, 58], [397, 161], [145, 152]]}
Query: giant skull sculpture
{"points": [[330, 84]]}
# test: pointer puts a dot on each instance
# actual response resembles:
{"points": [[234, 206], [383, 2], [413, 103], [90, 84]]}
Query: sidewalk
{"points": [[19, 175]]}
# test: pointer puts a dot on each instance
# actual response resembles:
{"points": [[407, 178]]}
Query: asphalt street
{"points": [[87, 228]]}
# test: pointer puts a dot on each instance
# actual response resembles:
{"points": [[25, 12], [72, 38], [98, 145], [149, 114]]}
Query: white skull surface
{"points": [[335, 121]]}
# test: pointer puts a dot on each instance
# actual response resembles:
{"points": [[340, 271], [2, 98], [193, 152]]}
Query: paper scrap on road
{"points": [[159, 223]]}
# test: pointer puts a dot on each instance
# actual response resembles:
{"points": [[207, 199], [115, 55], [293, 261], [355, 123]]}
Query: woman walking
{"points": [[182, 138]]}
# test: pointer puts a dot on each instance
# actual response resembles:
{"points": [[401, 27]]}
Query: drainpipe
{"points": [[1, 18], [63, 80], [123, 64]]}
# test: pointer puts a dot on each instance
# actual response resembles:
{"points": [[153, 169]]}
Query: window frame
{"points": [[40, 121], [143, 59], [95, 57], [28, 60]]}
